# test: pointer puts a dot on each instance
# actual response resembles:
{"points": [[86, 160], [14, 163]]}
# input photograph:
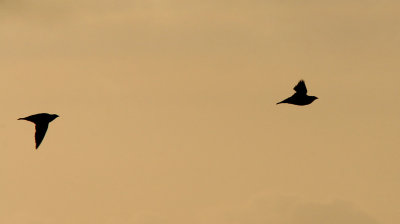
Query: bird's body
{"points": [[41, 122], [300, 98]]}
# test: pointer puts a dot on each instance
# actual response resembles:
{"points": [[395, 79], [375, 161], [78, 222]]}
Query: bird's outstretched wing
{"points": [[40, 133], [300, 87]]}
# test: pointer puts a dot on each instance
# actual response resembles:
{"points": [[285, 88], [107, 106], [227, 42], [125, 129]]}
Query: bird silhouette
{"points": [[41, 122], [300, 97]]}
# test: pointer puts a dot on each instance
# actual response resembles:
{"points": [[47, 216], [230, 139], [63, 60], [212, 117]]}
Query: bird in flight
{"points": [[300, 97], [41, 122]]}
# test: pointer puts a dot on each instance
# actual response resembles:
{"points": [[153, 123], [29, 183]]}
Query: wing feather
{"points": [[301, 87], [40, 133]]}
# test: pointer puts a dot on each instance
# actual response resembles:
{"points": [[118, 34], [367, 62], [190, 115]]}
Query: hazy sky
{"points": [[167, 112]]}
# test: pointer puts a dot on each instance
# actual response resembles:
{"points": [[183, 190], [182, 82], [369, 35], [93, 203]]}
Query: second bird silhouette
{"points": [[300, 97], [41, 122]]}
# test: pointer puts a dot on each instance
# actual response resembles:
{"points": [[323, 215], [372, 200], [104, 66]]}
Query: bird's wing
{"points": [[40, 132], [301, 87]]}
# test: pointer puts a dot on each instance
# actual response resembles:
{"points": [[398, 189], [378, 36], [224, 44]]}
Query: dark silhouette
{"points": [[300, 97], [41, 124]]}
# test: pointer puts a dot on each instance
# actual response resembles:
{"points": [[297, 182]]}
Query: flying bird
{"points": [[300, 97], [41, 122]]}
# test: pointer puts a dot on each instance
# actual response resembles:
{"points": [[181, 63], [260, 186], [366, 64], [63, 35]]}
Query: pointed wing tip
{"points": [[301, 87], [38, 144]]}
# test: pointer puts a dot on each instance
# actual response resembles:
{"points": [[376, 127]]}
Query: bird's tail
{"points": [[22, 118], [283, 101]]}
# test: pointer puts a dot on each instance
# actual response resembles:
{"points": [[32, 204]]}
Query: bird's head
{"points": [[313, 98], [53, 116]]}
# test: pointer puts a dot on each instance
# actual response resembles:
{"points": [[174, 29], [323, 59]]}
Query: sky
{"points": [[168, 112]]}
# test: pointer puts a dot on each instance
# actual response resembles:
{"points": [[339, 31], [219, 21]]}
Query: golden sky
{"points": [[167, 112]]}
